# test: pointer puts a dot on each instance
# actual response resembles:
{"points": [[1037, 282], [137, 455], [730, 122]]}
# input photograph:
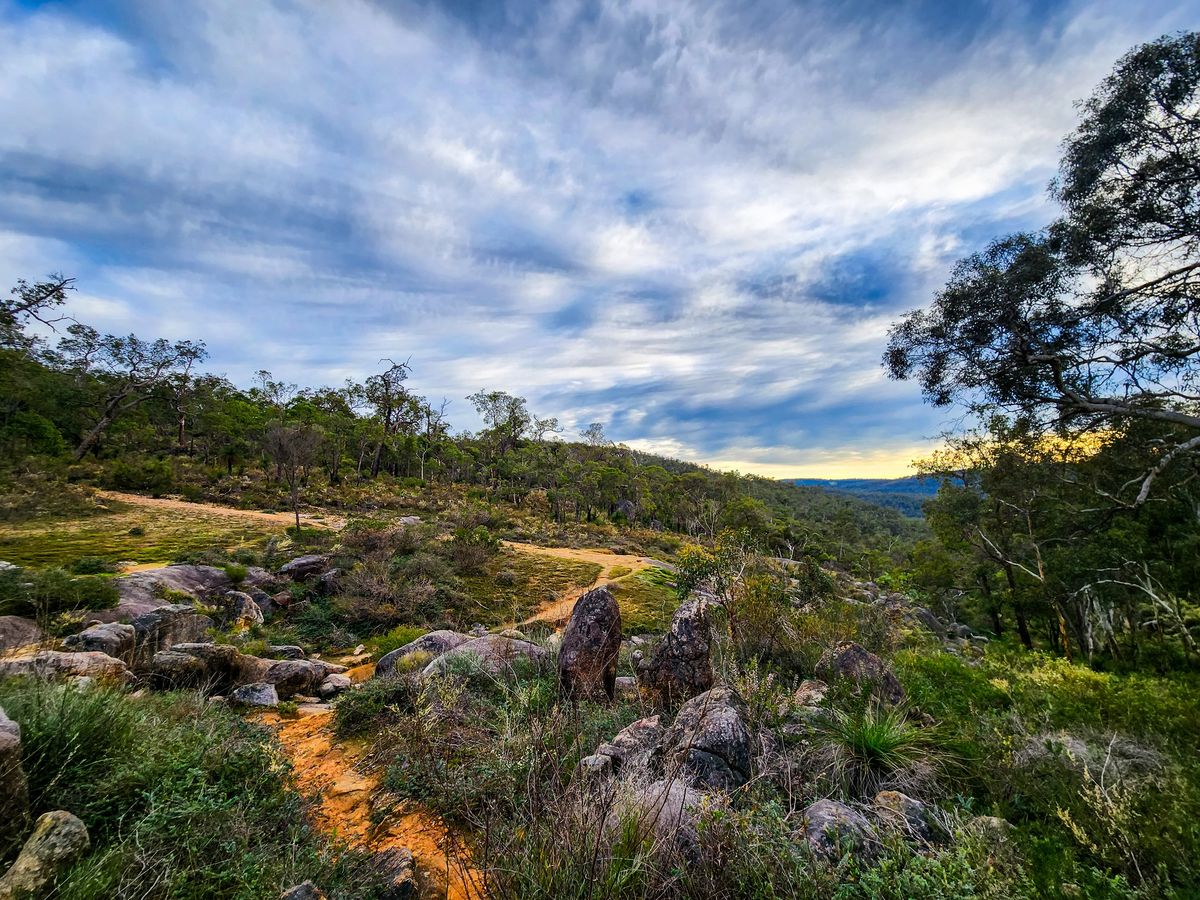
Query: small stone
{"points": [[257, 694], [58, 840]]}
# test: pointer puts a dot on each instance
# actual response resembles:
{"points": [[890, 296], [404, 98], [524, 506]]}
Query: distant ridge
{"points": [[904, 494]]}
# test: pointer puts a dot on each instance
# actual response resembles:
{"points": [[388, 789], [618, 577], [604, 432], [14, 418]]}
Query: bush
{"points": [[175, 793], [131, 474], [236, 573], [92, 565], [470, 547], [42, 595]]}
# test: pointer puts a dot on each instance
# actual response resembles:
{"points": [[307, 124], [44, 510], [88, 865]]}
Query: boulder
{"points": [[492, 652], [853, 663], [285, 651], [833, 829], [901, 813], [682, 663], [17, 631], [142, 592], [811, 692], [302, 568], [306, 890], [54, 664], [213, 667], [591, 643], [114, 638], [409, 520], [662, 813], [241, 611], [14, 787], [327, 582], [399, 868], [59, 839], [171, 669], [166, 626], [435, 643], [333, 685], [633, 745], [1116, 756], [708, 741], [299, 676], [257, 693]]}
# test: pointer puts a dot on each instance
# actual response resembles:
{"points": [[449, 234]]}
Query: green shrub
{"points": [[236, 573], [92, 565], [42, 595], [176, 794], [376, 704], [132, 474]]}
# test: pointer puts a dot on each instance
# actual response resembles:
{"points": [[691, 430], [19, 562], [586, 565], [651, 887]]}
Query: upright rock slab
{"points": [[682, 663], [591, 643]]}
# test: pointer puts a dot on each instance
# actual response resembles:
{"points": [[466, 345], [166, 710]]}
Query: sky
{"points": [[693, 222]]}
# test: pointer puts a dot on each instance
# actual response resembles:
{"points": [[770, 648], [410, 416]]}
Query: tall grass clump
{"points": [[874, 748]]}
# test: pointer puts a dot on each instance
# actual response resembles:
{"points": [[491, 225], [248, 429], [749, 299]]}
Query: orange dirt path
{"points": [[327, 770]]}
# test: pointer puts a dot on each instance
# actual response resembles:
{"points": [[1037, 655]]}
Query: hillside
{"points": [[906, 494]]}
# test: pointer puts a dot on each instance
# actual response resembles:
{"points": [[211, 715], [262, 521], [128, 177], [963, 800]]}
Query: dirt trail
{"points": [[282, 518], [557, 611], [327, 769]]}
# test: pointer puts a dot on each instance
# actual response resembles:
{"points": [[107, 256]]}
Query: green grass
{"points": [[536, 580], [165, 535], [175, 793], [647, 601]]}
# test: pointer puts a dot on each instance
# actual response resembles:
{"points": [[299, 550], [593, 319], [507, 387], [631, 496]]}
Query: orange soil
{"points": [[558, 610], [328, 771]]}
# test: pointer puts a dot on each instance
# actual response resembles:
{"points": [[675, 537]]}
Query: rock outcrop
{"points": [[911, 818], [54, 664], [663, 814], [848, 662], [299, 676], [142, 592], [14, 787], [17, 631], [492, 653], [681, 666], [435, 644], [708, 743], [164, 627], [58, 840], [591, 643], [113, 638], [241, 610]]}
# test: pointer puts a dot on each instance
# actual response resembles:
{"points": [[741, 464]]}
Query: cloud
{"points": [[692, 222]]}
